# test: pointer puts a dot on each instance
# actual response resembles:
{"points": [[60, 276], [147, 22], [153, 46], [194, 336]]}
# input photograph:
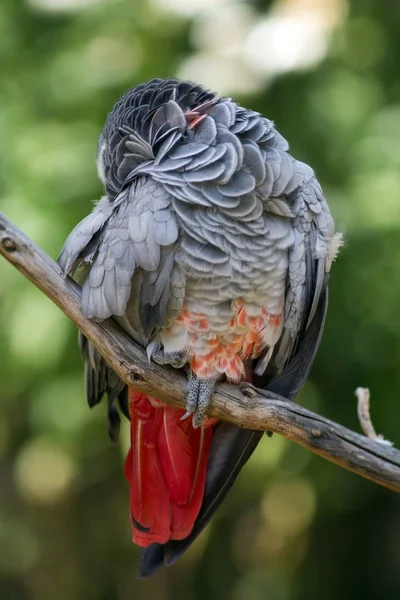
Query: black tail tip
{"points": [[151, 559]]}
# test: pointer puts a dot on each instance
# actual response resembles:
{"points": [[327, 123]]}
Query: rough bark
{"points": [[243, 405]]}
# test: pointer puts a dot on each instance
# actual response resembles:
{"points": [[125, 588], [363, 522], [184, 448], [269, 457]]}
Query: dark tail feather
{"points": [[151, 559]]}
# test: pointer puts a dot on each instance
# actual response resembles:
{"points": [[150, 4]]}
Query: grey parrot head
{"points": [[145, 124]]}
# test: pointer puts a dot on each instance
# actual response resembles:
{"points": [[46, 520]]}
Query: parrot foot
{"points": [[199, 394], [175, 359]]}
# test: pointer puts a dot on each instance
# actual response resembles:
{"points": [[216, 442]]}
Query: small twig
{"points": [[252, 409], [364, 416]]}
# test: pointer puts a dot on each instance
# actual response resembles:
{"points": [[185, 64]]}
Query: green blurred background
{"points": [[295, 527]]}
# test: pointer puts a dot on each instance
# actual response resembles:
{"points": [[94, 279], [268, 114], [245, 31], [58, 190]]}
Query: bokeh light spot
{"points": [[60, 406], [44, 471], [63, 5], [38, 330], [289, 506]]}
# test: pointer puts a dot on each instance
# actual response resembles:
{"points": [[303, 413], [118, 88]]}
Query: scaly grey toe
{"points": [[175, 359], [199, 395]]}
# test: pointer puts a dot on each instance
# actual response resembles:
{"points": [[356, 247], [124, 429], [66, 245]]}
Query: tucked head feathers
{"points": [[145, 123]]}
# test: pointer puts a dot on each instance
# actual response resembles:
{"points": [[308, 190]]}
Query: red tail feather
{"points": [[166, 467]]}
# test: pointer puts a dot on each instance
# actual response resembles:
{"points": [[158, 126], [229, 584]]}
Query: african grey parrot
{"points": [[211, 247]]}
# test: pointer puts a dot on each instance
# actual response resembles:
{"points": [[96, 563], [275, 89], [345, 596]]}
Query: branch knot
{"points": [[9, 244]]}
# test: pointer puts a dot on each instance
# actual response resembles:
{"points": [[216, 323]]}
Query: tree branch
{"points": [[243, 405]]}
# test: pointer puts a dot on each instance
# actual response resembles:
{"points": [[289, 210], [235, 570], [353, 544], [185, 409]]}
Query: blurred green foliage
{"points": [[294, 527]]}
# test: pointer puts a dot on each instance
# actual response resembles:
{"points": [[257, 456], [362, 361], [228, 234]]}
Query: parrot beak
{"points": [[193, 118]]}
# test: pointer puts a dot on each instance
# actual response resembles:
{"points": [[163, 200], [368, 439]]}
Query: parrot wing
{"points": [[310, 257], [126, 250]]}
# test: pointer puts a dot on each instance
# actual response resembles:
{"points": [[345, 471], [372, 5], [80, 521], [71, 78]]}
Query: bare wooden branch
{"points": [[364, 416], [243, 405]]}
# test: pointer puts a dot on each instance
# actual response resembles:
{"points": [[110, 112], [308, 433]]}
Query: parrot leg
{"points": [[199, 395], [200, 391], [175, 359]]}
